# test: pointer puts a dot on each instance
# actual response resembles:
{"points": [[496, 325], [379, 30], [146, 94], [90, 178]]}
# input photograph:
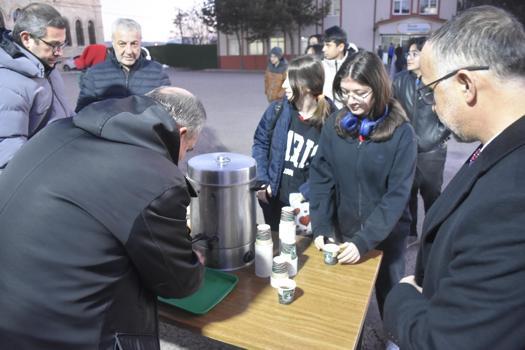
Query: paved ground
{"points": [[234, 102]]}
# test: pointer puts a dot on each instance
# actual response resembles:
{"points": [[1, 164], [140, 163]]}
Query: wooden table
{"points": [[327, 313]]}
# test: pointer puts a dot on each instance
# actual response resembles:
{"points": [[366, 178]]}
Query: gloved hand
{"points": [[350, 253]]}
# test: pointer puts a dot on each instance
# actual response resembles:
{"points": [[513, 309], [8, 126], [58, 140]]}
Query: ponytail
{"points": [[321, 112]]}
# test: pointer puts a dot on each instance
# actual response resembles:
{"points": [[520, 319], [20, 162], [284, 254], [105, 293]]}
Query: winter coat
{"points": [[93, 222], [108, 80], [269, 144], [430, 132], [330, 70], [32, 97], [470, 263], [274, 78], [359, 190]]}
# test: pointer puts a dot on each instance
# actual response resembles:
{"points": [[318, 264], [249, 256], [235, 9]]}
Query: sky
{"points": [[155, 16]]}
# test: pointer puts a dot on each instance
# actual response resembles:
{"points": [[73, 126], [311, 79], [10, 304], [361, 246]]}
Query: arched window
{"points": [[91, 33], [68, 34], [80, 33]]}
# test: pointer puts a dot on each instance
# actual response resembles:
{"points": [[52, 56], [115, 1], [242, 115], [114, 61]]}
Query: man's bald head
{"points": [[186, 109]]}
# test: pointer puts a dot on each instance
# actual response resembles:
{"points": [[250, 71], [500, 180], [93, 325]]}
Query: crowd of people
{"points": [[356, 145]]}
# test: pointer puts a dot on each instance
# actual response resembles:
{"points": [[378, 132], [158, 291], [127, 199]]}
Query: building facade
{"points": [[368, 23], [84, 19]]}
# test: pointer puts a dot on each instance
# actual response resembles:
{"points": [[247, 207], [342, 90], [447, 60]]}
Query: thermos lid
{"points": [[222, 169]]}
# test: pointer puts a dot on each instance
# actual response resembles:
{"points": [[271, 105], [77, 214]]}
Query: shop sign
{"points": [[410, 28]]}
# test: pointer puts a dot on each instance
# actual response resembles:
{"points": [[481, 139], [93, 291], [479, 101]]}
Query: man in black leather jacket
{"points": [[93, 225], [430, 132]]}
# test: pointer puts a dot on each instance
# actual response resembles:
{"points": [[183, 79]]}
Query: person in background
{"points": [[400, 61], [391, 51], [103, 227], [336, 49], [32, 89], [431, 133], [275, 75], [315, 50], [125, 72], [286, 138], [315, 39], [361, 177], [468, 291], [91, 55], [380, 52]]}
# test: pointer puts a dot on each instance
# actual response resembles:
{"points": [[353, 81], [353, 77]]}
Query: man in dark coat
{"points": [[93, 225], [468, 291], [431, 133], [125, 72]]}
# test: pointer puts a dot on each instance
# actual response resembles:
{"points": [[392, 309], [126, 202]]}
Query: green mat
{"points": [[215, 287]]}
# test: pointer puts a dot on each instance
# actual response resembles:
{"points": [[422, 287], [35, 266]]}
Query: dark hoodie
{"points": [[93, 222]]}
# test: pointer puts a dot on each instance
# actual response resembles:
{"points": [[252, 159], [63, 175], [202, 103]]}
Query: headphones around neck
{"points": [[350, 122]]}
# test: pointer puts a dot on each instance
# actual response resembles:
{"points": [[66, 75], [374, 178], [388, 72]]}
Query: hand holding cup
{"points": [[349, 254]]}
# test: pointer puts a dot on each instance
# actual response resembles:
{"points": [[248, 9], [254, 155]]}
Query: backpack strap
{"points": [[277, 109]]}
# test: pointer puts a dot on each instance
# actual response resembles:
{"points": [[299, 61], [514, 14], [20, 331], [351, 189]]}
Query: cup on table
{"points": [[330, 252], [286, 290]]}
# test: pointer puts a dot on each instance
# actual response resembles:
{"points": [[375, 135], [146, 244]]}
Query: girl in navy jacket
{"points": [[361, 178], [286, 138]]}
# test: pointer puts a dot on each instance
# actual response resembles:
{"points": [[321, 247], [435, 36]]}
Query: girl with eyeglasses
{"points": [[286, 139], [361, 178]]}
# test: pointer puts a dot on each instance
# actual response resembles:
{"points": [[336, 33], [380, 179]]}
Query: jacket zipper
{"points": [[361, 140]]}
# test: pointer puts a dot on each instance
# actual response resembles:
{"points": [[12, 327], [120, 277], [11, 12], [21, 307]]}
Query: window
{"points": [[428, 7], [68, 34], [335, 8], [80, 33], [277, 42], [256, 48], [91, 33], [233, 46], [401, 7]]}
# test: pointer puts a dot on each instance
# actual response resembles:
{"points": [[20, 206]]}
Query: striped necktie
{"points": [[475, 155]]}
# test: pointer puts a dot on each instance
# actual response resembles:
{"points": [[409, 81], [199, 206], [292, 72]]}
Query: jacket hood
{"points": [[134, 120], [18, 59]]}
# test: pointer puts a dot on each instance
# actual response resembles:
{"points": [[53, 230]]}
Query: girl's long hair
{"points": [[306, 75]]}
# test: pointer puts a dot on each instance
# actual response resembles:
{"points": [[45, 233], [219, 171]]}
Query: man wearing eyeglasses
{"points": [[431, 133], [468, 291], [32, 91], [125, 71]]}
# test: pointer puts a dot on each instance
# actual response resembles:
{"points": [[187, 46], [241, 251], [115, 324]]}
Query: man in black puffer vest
{"points": [[431, 134], [125, 72]]}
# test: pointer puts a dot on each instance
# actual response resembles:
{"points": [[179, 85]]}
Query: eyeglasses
{"points": [[426, 92], [54, 47], [359, 97]]}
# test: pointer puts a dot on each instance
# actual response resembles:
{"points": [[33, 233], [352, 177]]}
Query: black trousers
{"points": [[427, 181], [272, 212]]}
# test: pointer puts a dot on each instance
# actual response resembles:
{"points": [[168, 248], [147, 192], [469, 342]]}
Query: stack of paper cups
{"points": [[286, 226], [279, 270], [263, 251], [287, 246], [289, 252]]}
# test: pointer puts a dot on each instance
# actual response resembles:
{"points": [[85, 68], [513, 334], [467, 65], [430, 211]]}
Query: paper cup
{"points": [[286, 291], [330, 252]]}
